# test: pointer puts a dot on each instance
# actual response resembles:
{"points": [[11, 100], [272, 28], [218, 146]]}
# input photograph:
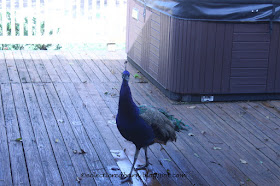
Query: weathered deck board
{"points": [[57, 67], [61, 137], [16, 151], [85, 67], [61, 103], [107, 72], [259, 129], [5, 169], [235, 150], [250, 134], [194, 153], [95, 137], [29, 141], [53, 74], [66, 114], [33, 74], [41, 69], [262, 117], [252, 149], [77, 67], [93, 66], [62, 174], [22, 70], [11, 66], [4, 78], [67, 67]]}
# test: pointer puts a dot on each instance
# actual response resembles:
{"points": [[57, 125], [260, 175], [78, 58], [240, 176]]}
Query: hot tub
{"points": [[207, 50]]}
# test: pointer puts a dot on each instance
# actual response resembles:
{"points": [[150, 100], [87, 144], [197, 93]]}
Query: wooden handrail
{"points": [[67, 21]]}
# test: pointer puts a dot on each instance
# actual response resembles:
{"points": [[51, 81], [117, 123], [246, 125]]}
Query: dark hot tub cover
{"points": [[218, 10]]}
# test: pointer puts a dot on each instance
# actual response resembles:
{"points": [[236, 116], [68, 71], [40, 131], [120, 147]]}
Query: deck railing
{"points": [[62, 21]]}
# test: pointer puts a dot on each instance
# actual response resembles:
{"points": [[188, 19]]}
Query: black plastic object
{"points": [[219, 10]]}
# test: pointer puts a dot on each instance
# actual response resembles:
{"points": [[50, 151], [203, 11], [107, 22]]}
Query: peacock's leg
{"points": [[128, 178], [147, 160]]}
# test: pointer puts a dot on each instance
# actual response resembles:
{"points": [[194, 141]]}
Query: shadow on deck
{"points": [[57, 126]]}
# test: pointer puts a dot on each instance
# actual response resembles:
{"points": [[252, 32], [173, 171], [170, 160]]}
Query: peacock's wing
{"points": [[177, 124], [161, 125]]}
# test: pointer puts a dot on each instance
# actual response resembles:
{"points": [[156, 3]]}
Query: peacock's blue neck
{"points": [[126, 104]]}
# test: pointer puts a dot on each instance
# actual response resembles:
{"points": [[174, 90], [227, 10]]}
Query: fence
{"points": [[62, 21]]}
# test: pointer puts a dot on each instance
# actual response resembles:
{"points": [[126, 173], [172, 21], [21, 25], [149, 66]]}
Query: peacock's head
{"points": [[125, 75]]}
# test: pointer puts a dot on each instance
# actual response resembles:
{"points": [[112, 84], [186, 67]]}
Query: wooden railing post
{"points": [[4, 18], [12, 16], [29, 18], [95, 21], [38, 20], [46, 18], [20, 18]]}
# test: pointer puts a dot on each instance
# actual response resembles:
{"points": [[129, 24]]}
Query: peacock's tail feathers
{"points": [[163, 128], [178, 124], [142, 109]]}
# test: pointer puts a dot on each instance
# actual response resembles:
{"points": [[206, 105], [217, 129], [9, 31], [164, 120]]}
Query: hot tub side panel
{"points": [[200, 54], [250, 58], [139, 46], [273, 78], [223, 58], [194, 57], [174, 52]]}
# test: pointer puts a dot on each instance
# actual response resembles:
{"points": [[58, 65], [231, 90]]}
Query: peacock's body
{"points": [[162, 127], [143, 125]]}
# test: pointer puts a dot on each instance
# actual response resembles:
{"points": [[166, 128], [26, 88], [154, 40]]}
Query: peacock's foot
{"points": [[126, 179], [142, 167]]}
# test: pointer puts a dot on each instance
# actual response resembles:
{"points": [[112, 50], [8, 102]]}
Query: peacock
{"points": [[143, 125]]}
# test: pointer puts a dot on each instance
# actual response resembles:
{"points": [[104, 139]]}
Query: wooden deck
{"points": [[57, 127]]}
